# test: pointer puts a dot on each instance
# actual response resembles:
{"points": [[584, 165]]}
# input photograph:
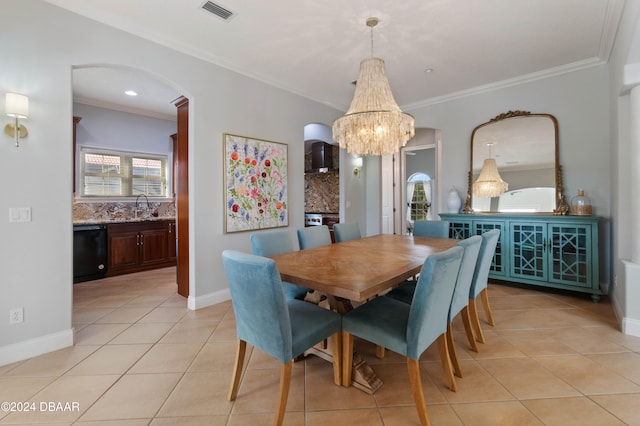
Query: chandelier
{"points": [[374, 123], [489, 183]]}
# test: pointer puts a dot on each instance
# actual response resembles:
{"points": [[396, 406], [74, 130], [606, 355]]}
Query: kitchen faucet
{"points": [[145, 196], [137, 205]]}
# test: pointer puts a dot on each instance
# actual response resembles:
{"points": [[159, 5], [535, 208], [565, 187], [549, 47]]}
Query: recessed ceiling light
{"points": [[428, 70], [131, 93]]}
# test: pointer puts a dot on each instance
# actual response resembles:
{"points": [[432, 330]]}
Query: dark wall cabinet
{"points": [[140, 246]]}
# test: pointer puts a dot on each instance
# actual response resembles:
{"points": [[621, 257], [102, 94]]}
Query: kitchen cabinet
{"points": [[139, 246], [550, 251], [172, 241], [330, 221], [76, 120]]}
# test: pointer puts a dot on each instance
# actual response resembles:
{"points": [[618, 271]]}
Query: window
{"points": [[122, 174], [419, 195], [419, 204]]}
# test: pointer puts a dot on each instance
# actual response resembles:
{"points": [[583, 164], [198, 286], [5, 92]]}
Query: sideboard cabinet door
{"points": [[573, 258], [499, 264], [528, 250]]}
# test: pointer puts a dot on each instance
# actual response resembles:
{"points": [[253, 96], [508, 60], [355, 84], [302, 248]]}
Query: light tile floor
{"points": [[141, 357]]}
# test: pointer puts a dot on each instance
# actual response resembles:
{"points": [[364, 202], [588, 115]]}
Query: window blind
{"points": [[122, 174]]}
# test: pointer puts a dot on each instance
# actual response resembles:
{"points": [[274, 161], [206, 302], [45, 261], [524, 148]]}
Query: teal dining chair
{"points": [[276, 242], [313, 236], [265, 319], [409, 329], [431, 228], [480, 281], [460, 299], [459, 302], [346, 231]]}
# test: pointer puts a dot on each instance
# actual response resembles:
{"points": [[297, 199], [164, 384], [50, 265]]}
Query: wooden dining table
{"points": [[357, 270]]}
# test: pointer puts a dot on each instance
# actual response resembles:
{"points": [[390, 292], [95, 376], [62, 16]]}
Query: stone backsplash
{"points": [[322, 192], [121, 211]]}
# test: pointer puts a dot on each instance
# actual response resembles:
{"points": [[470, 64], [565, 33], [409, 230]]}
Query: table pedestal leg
{"points": [[363, 377]]}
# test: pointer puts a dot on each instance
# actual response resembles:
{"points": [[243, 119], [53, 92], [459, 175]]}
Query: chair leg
{"points": [[380, 351], [484, 294], [466, 320], [416, 387], [453, 354], [237, 369], [347, 358], [446, 362], [475, 321], [285, 384], [336, 342]]}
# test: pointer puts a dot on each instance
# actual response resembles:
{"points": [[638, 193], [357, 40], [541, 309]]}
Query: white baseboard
{"points": [[36, 346], [631, 327], [203, 301], [627, 308], [52, 342]]}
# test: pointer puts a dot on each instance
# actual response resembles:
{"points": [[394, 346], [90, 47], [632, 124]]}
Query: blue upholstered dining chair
{"points": [[346, 231], [265, 319], [276, 242], [459, 302], [480, 281], [431, 228], [409, 329], [460, 299], [313, 236]]}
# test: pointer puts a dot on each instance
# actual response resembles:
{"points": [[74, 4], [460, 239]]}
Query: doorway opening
{"points": [[419, 198], [145, 123], [417, 160]]}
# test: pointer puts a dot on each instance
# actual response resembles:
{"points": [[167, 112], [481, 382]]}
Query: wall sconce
{"points": [[357, 165], [16, 106]]}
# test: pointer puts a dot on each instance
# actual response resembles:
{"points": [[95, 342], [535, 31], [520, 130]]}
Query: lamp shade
{"points": [[374, 123], [489, 183], [16, 105]]}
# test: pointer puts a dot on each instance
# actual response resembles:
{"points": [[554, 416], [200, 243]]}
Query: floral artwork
{"points": [[255, 184]]}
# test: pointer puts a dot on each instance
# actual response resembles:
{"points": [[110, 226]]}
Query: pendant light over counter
{"points": [[374, 123]]}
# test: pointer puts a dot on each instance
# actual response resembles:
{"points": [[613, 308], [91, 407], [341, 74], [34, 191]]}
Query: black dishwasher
{"points": [[89, 252]]}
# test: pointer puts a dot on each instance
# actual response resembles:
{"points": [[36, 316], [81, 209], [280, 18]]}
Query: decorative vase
{"points": [[453, 201], [580, 204]]}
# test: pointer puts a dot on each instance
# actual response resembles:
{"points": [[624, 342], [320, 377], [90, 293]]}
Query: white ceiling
{"points": [[313, 47]]}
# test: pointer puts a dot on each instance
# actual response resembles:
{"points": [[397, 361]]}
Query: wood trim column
{"points": [[181, 162], [76, 120]]}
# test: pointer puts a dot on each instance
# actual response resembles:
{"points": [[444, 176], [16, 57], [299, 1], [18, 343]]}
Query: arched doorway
{"points": [[102, 88]]}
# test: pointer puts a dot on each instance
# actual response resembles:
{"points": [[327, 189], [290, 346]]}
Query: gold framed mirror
{"points": [[528, 176]]}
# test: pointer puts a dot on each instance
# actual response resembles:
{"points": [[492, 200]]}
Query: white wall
{"points": [[373, 188], [39, 46], [626, 283], [580, 102], [107, 128], [353, 191]]}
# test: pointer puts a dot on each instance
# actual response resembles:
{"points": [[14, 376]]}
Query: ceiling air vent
{"points": [[218, 10]]}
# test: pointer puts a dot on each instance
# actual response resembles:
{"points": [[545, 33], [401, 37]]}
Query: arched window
{"points": [[418, 197]]}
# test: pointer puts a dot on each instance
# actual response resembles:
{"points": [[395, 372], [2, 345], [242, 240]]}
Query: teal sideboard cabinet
{"points": [[545, 250]]}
